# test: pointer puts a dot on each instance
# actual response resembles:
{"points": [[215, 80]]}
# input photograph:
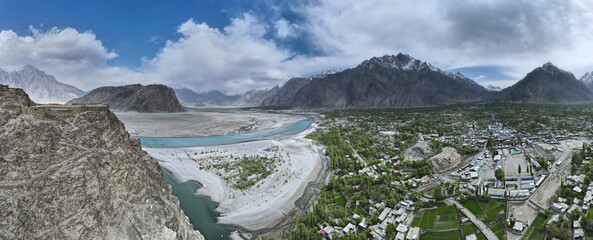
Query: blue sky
{"points": [[238, 45]]}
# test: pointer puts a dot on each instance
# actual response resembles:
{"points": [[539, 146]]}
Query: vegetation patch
{"points": [[469, 229], [451, 235]]}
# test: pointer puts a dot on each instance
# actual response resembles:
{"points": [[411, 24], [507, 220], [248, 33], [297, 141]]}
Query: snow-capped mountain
{"points": [[587, 79], [387, 81], [492, 88], [324, 74], [42, 88]]}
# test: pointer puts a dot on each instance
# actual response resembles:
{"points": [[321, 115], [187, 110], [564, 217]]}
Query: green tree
{"points": [[499, 174], [438, 193], [519, 169], [390, 231]]}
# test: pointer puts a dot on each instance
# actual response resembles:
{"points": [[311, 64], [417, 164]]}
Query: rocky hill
{"points": [[547, 84], [150, 98], [73, 172], [42, 88], [387, 81]]}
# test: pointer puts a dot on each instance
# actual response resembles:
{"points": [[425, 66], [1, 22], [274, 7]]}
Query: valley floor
{"points": [[202, 122], [297, 161], [259, 206]]}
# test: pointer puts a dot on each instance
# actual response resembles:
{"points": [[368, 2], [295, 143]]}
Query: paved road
{"points": [[483, 228]]}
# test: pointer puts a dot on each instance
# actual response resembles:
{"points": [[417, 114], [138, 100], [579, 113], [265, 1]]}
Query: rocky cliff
{"points": [[71, 172], [150, 98]]}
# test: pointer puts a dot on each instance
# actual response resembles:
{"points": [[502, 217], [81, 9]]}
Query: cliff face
{"points": [[68, 174], [150, 98]]}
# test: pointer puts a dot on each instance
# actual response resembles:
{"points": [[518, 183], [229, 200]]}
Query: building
{"points": [[518, 227], [402, 228], [471, 237], [579, 234], [413, 233], [384, 214]]}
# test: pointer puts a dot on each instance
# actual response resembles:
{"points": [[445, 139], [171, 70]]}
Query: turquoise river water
{"points": [[201, 210]]}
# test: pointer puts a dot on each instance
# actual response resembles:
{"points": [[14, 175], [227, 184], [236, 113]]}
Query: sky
{"points": [[238, 45]]}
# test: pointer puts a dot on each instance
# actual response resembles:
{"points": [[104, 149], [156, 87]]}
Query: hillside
{"points": [[547, 84], [73, 172], [150, 98]]}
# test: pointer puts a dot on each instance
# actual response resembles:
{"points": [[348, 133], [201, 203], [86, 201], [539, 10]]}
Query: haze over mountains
{"points": [[42, 88], [388, 81], [214, 97]]}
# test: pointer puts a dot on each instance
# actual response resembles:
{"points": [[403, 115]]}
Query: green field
{"points": [[493, 215], [426, 220], [468, 229], [489, 205], [341, 200], [482, 237], [446, 210], [540, 220], [473, 206], [452, 235], [417, 220], [537, 234], [489, 211], [498, 229]]}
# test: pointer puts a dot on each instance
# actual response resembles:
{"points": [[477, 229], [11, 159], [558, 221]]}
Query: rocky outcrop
{"points": [[150, 98], [420, 151], [68, 174], [448, 159]]}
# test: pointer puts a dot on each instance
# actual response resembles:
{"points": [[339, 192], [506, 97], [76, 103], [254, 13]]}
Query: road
{"points": [[483, 228], [547, 189]]}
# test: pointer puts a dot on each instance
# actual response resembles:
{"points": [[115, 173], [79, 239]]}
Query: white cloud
{"points": [[517, 35], [238, 58], [285, 29]]}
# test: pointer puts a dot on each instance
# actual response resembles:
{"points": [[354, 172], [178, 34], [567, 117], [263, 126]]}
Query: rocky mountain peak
{"points": [[41, 87], [587, 79], [550, 67]]}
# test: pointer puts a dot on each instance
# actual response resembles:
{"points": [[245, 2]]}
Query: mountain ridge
{"points": [[40, 87]]}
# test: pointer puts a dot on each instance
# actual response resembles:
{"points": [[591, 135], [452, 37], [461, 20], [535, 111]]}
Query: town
{"points": [[492, 171]]}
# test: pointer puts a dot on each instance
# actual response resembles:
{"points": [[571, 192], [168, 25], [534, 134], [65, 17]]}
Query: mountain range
{"points": [[150, 98], [388, 81], [213, 97], [40, 87], [402, 81]]}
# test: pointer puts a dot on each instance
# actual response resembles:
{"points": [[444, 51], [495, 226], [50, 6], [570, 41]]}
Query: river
{"points": [[201, 210]]}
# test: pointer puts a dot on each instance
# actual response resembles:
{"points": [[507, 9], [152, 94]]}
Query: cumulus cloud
{"points": [[73, 57], [251, 52], [238, 58]]}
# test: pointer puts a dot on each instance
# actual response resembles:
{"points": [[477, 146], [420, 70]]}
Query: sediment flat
{"points": [[269, 200]]}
